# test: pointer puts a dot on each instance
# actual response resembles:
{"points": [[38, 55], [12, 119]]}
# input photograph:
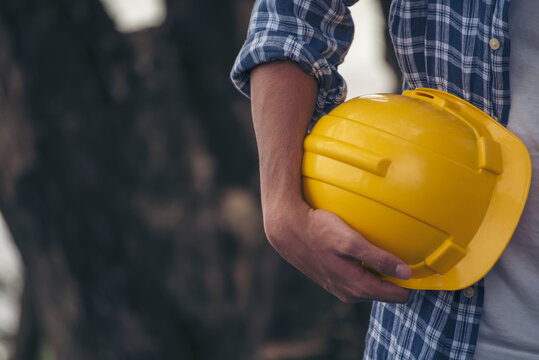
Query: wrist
{"points": [[282, 217]]}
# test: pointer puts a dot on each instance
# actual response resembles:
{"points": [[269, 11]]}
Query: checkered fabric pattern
{"points": [[444, 45], [315, 34], [431, 325], [440, 44]]}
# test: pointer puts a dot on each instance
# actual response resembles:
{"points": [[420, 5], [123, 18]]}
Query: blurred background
{"points": [[128, 182]]}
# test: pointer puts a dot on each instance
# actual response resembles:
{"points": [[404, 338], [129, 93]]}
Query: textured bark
{"points": [[128, 180]]}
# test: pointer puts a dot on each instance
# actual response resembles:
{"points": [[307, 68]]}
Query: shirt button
{"points": [[468, 292], [494, 44]]}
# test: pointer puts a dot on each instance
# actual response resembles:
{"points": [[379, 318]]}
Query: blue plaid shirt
{"points": [[461, 47]]}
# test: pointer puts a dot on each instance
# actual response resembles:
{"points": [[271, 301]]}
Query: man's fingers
{"points": [[379, 260], [367, 286], [385, 291], [385, 263], [348, 280]]}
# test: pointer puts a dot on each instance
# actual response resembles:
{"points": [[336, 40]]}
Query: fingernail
{"points": [[403, 272]]}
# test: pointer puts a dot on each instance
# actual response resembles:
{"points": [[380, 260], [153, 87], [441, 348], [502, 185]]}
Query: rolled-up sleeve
{"points": [[314, 33]]}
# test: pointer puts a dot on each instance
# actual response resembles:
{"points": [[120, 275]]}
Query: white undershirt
{"points": [[509, 327]]}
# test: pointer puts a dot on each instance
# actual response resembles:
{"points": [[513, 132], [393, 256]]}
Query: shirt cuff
{"points": [[266, 46]]}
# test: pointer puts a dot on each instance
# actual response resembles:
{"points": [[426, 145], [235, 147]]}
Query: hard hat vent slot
{"points": [[424, 95], [429, 98]]}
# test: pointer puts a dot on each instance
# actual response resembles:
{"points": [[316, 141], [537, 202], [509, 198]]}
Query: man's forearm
{"points": [[283, 99]]}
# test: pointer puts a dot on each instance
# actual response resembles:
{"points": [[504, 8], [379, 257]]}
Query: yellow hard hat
{"points": [[423, 175]]}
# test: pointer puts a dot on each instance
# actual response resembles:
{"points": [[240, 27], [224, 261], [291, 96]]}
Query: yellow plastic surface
{"points": [[423, 175]]}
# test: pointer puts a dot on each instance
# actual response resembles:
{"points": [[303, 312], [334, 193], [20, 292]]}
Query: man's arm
{"points": [[316, 242]]}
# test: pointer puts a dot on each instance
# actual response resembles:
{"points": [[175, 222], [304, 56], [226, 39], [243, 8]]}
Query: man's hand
{"points": [[327, 250], [316, 242]]}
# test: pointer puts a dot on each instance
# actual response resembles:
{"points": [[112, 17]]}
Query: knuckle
{"points": [[383, 262], [365, 294], [361, 296], [328, 286], [348, 296], [344, 247], [346, 299], [347, 246]]}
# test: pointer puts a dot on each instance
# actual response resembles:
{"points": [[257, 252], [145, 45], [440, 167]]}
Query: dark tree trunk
{"points": [[128, 180]]}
